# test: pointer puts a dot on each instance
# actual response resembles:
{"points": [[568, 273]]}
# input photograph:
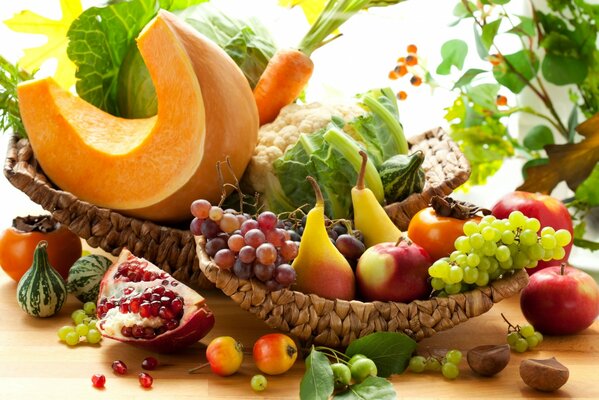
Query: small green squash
{"points": [[85, 276], [402, 175], [41, 292]]}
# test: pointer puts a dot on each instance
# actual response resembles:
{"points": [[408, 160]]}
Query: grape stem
{"points": [[511, 328]]}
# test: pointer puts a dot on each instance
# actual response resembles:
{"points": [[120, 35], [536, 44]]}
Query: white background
{"points": [[357, 61]]}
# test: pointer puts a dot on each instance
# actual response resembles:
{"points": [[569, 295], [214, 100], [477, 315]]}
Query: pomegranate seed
{"points": [[165, 313], [165, 301], [134, 304], [160, 330], [126, 331], [171, 324], [159, 290], [155, 307], [124, 307], [149, 333], [103, 301], [147, 295], [119, 367], [169, 293], [165, 282], [109, 306], [128, 290], [149, 363], [148, 276], [101, 310], [138, 331], [134, 276], [156, 297], [145, 380], [177, 305], [98, 380], [145, 310]]}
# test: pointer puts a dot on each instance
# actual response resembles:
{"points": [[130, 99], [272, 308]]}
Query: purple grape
{"points": [[285, 274], [242, 270], [264, 272]]}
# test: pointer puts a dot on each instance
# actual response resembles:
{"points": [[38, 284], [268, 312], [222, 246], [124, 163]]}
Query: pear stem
{"points": [[317, 191], [362, 173]]}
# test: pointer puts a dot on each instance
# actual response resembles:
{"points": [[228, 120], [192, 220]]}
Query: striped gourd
{"points": [[41, 292], [402, 175], [85, 276]]}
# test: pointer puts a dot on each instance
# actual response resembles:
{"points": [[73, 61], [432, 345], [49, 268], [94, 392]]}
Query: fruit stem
{"points": [[510, 326], [317, 191], [194, 370], [402, 238], [362, 173], [562, 269]]}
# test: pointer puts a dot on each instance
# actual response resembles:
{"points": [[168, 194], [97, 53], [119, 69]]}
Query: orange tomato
{"points": [[436, 234], [17, 247], [274, 353]]}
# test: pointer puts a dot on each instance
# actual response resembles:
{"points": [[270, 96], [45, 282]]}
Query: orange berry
{"points": [[415, 80], [401, 70], [501, 100], [411, 60], [412, 49], [401, 95], [495, 59], [393, 75], [401, 60]]}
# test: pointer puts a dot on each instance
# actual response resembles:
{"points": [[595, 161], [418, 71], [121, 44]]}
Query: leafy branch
{"points": [[10, 116]]}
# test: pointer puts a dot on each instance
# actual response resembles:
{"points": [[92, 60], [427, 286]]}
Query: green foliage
{"points": [[538, 137], [317, 383], [390, 351], [372, 387], [454, 53], [10, 117]]}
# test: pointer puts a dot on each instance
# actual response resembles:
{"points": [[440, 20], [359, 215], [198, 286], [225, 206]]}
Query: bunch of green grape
{"points": [[448, 365], [522, 338], [494, 246], [84, 328]]}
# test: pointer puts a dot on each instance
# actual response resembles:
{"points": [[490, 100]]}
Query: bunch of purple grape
{"points": [[248, 247]]}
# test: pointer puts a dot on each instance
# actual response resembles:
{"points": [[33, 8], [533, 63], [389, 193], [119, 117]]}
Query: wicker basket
{"points": [[313, 319], [174, 249]]}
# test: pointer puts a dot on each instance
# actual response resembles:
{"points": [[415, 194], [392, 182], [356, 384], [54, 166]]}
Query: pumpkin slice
{"points": [[151, 168]]}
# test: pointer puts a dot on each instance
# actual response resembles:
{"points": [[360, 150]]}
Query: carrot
{"points": [[283, 79]]}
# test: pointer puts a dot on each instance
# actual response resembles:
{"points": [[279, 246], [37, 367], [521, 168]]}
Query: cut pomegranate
{"points": [[143, 305]]}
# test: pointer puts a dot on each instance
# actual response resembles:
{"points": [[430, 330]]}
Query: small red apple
{"points": [[548, 210], [560, 300], [394, 272]]}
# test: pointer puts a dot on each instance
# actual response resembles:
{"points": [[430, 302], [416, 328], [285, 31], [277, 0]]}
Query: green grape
{"points": [[521, 260], [528, 237], [472, 260], [489, 233], [512, 338], [62, 332], [547, 231], [532, 264], [483, 279], [82, 329], [539, 336], [559, 253], [470, 275], [432, 364], [470, 227], [78, 316], [521, 345], [532, 341], [493, 265], [454, 255], [547, 254], [535, 252], [453, 356], [456, 274], [502, 253], [508, 237], [495, 274], [548, 242], [93, 336], [437, 283], [484, 264], [488, 219], [527, 330], [90, 308], [563, 237], [453, 288], [507, 264], [438, 270], [461, 260], [477, 241], [72, 338], [533, 224], [517, 219], [450, 370], [462, 244], [417, 364], [514, 248], [489, 248], [258, 383], [92, 324]]}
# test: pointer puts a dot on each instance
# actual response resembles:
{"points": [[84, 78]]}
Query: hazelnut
{"points": [[488, 360], [545, 375]]}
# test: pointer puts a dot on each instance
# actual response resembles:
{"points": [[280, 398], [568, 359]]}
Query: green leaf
{"points": [[454, 53], [588, 191], [535, 162], [572, 123], [516, 70], [526, 27], [461, 11], [489, 32], [468, 77], [478, 41], [317, 383], [538, 137], [484, 95], [586, 244], [499, 2], [563, 70], [370, 388], [390, 351], [580, 229]]}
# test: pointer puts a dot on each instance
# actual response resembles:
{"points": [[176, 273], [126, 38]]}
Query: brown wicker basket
{"points": [[313, 319], [174, 249]]}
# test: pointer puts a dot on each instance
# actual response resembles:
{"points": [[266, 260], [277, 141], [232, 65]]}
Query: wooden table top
{"points": [[34, 364]]}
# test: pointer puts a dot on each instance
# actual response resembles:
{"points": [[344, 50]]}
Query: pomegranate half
{"points": [[143, 305]]}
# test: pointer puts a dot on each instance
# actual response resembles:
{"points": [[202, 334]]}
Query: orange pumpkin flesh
{"points": [[152, 168]]}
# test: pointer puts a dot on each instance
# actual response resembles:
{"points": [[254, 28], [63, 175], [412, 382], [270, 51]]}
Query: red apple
{"points": [[548, 210], [394, 272], [560, 300]]}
